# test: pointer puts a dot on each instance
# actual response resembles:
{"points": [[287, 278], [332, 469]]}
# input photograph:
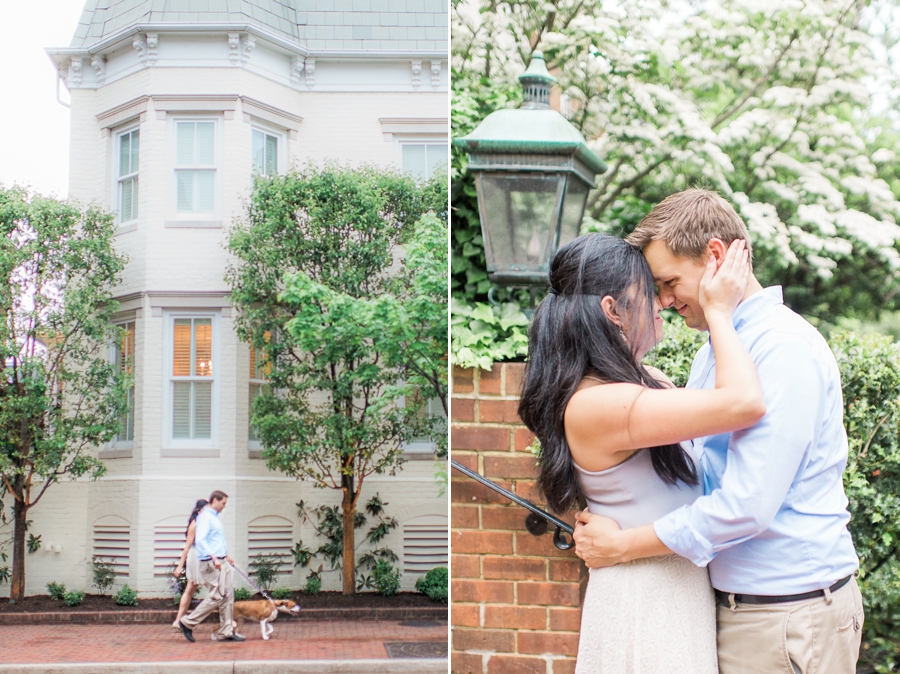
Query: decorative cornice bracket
{"points": [[99, 65], [297, 65], [74, 79], [310, 73], [435, 74], [416, 73]]}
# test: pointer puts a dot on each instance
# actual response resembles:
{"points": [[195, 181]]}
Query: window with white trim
{"points": [[259, 375], [195, 166], [423, 160], [127, 174], [191, 388], [124, 359], [265, 152], [432, 409]]}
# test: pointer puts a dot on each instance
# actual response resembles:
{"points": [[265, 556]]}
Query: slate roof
{"points": [[316, 24]]}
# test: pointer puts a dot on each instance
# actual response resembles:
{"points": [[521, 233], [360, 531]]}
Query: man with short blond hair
{"points": [[215, 572], [772, 523]]}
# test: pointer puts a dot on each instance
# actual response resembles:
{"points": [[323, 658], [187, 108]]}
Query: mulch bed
{"points": [[323, 600]]}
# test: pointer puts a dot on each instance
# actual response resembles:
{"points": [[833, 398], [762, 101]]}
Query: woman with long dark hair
{"points": [[610, 430], [189, 563]]}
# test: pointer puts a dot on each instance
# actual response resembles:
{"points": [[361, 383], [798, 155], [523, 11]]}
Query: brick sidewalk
{"points": [[292, 640]]}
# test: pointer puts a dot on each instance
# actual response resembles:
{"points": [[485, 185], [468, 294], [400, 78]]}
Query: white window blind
{"points": [[423, 160], [125, 363], [129, 146], [192, 378], [265, 153], [195, 172]]}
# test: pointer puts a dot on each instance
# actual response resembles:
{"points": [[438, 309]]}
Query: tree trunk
{"points": [[17, 588], [349, 512]]}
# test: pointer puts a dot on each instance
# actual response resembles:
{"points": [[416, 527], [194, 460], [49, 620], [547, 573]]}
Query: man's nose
{"points": [[666, 298]]}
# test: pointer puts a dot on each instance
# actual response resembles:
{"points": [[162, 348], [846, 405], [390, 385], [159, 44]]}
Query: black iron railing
{"points": [[559, 540]]}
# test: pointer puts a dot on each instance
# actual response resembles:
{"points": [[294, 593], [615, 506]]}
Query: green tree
{"points": [[312, 290], [60, 395]]}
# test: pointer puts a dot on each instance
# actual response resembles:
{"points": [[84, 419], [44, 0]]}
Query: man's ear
{"points": [[608, 304], [717, 248]]}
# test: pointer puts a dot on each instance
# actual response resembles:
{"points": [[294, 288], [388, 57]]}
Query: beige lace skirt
{"points": [[647, 617]]}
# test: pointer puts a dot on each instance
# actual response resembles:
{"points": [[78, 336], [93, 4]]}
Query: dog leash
{"points": [[247, 578]]}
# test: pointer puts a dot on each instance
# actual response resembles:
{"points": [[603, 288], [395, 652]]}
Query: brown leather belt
{"points": [[726, 597]]}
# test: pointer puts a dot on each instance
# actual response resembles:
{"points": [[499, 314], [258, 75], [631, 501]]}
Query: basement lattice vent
{"points": [[272, 537], [424, 544], [168, 542], [112, 543]]}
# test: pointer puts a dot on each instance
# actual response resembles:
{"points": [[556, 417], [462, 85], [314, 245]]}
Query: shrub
{"points": [[265, 570], [434, 584], [104, 574], [386, 578], [242, 594], [73, 598], [126, 596], [314, 582], [282, 593], [56, 590]]}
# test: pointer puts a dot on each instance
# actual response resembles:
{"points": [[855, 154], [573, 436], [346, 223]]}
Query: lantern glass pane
{"points": [[520, 216], [573, 209]]}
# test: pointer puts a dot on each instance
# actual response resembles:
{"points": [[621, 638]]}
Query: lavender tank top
{"points": [[632, 494]]}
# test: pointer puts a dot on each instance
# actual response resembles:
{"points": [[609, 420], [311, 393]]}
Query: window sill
{"points": [[127, 227], [193, 224], [189, 452], [419, 454], [117, 452], [254, 453]]}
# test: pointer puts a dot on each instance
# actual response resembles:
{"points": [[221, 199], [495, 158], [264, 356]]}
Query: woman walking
{"points": [[189, 563]]}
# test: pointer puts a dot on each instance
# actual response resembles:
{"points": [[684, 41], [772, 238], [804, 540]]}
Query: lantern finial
{"points": [[536, 83]]}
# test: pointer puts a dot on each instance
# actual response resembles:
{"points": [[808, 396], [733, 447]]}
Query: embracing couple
{"points": [[716, 520]]}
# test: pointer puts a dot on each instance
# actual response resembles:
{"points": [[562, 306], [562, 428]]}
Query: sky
{"points": [[34, 127]]}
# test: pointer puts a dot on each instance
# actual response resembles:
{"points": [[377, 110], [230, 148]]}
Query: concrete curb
{"points": [[396, 666]]}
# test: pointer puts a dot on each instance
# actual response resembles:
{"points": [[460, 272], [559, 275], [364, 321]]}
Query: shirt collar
{"points": [[212, 510], [753, 305]]}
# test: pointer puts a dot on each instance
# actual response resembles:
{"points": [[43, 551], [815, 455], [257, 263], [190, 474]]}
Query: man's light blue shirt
{"points": [[210, 535], [773, 517]]}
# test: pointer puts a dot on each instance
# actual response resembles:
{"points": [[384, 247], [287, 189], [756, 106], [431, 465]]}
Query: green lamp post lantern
{"points": [[533, 172]]}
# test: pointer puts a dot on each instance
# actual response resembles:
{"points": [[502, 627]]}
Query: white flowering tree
{"points": [[770, 102]]}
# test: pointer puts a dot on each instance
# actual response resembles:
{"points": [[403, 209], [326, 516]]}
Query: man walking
{"points": [[772, 523], [215, 572]]}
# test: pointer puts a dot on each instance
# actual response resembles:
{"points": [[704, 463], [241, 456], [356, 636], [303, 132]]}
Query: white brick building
{"points": [[174, 104]]}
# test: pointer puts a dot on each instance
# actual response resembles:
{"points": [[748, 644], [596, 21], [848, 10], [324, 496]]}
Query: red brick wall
{"points": [[516, 598]]}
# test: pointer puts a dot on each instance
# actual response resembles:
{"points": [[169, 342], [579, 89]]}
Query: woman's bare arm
{"points": [[606, 419]]}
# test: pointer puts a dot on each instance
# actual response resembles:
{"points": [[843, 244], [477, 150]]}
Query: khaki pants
{"points": [[814, 636], [220, 585]]}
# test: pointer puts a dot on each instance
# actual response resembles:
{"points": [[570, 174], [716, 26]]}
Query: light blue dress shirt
{"points": [[773, 517], [210, 535]]}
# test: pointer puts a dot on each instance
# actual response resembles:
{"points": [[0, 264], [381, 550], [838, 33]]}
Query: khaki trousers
{"points": [[220, 585], [815, 636]]}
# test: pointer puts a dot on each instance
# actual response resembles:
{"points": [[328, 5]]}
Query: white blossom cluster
{"points": [[770, 102]]}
